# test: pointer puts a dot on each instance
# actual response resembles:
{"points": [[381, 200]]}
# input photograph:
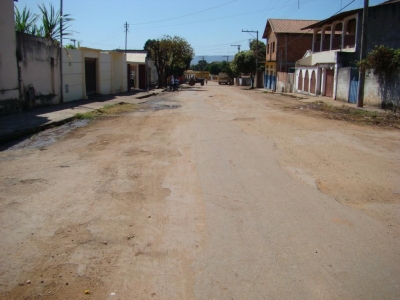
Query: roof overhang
{"points": [[333, 19]]}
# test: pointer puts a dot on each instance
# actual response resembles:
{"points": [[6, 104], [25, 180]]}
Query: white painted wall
{"points": [[119, 73], [105, 73], [111, 68], [318, 58], [343, 84], [73, 72], [8, 59], [40, 67]]}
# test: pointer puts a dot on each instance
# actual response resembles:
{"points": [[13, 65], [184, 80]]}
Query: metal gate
{"points": [[329, 83], [353, 85]]}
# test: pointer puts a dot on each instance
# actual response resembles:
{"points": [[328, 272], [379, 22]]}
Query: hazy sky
{"points": [[211, 27]]}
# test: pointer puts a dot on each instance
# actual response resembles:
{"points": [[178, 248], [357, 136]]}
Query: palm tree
{"points": [[51, 22], [25, 21]]}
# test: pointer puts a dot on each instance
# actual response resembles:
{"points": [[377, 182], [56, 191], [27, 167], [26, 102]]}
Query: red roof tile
{"points": [[287, 26]]}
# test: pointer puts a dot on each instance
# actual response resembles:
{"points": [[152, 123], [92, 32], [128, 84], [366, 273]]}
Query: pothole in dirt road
{"points": [[45, 138]]}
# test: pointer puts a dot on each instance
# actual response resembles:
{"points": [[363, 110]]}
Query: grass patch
{"points": [[108, 110]]}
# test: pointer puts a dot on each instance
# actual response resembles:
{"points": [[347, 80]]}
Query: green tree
{"points": [[171, 56], [70, 46], [49, 18], [51, 22], [244, 62], [262, 48], [214, 68], [202, 65], [25, 20]]}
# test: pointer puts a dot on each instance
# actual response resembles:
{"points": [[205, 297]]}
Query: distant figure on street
{"points": [[172, 83], [176, 84], [206, 80]]}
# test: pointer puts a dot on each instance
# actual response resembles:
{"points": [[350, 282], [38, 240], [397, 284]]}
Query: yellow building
{"points": [[196, 74]]}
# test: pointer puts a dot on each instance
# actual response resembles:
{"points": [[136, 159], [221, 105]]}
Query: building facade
{"points": [[329, 69], [285, 44]]}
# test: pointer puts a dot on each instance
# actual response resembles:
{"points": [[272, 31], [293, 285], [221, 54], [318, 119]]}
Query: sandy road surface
{"points": [[212, 193]]}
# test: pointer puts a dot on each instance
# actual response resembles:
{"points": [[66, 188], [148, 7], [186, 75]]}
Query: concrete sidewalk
{"points": [[29, 122]]}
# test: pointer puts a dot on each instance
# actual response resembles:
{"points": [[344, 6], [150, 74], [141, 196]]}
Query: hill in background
{"points": [[211, 58]]}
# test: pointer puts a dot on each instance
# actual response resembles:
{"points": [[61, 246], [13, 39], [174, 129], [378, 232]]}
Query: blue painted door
{"points": [[273, 79], [353, 85]]}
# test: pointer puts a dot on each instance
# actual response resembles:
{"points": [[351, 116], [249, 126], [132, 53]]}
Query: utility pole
{"points": [[363, 55], [73, 40], [237, 46], [126, 26], [227, 57], [255, 31], [61, 53]]}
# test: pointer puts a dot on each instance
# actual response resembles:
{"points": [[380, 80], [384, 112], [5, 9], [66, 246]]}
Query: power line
{"points": [[186, 15], [219, 44], [205, 20], [237, 46]]}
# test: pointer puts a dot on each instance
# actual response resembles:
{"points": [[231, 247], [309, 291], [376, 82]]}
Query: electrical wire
{"points": [[195, 13]]}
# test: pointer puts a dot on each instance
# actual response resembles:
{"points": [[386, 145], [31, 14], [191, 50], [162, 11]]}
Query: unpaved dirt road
{"points": [[210, 193]]}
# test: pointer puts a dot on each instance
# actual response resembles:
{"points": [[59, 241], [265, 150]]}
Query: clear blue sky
{"points": [[211, 27]]}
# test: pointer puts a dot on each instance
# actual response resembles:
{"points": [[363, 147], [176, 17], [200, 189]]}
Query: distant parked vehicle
{"points": [[223, 78]]}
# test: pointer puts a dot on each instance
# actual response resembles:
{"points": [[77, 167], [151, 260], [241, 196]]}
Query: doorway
{"points": [[90, 75]]}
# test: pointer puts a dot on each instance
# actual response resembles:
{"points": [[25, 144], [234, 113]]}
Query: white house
{"points": [[91, 71]]}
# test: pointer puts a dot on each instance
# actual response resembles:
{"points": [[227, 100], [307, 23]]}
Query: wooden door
{"points": [[300, 82], [312, 83], [306, 81], [329, 83]]}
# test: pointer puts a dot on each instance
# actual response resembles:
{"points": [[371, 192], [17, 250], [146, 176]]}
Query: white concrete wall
{"points": [[343, 84], [382, 93], [110, 69], [372, 90], [73, 72], [119, 70], [318, 58], [104, 74], [153, 73], [40, 67], [8, 59]]}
